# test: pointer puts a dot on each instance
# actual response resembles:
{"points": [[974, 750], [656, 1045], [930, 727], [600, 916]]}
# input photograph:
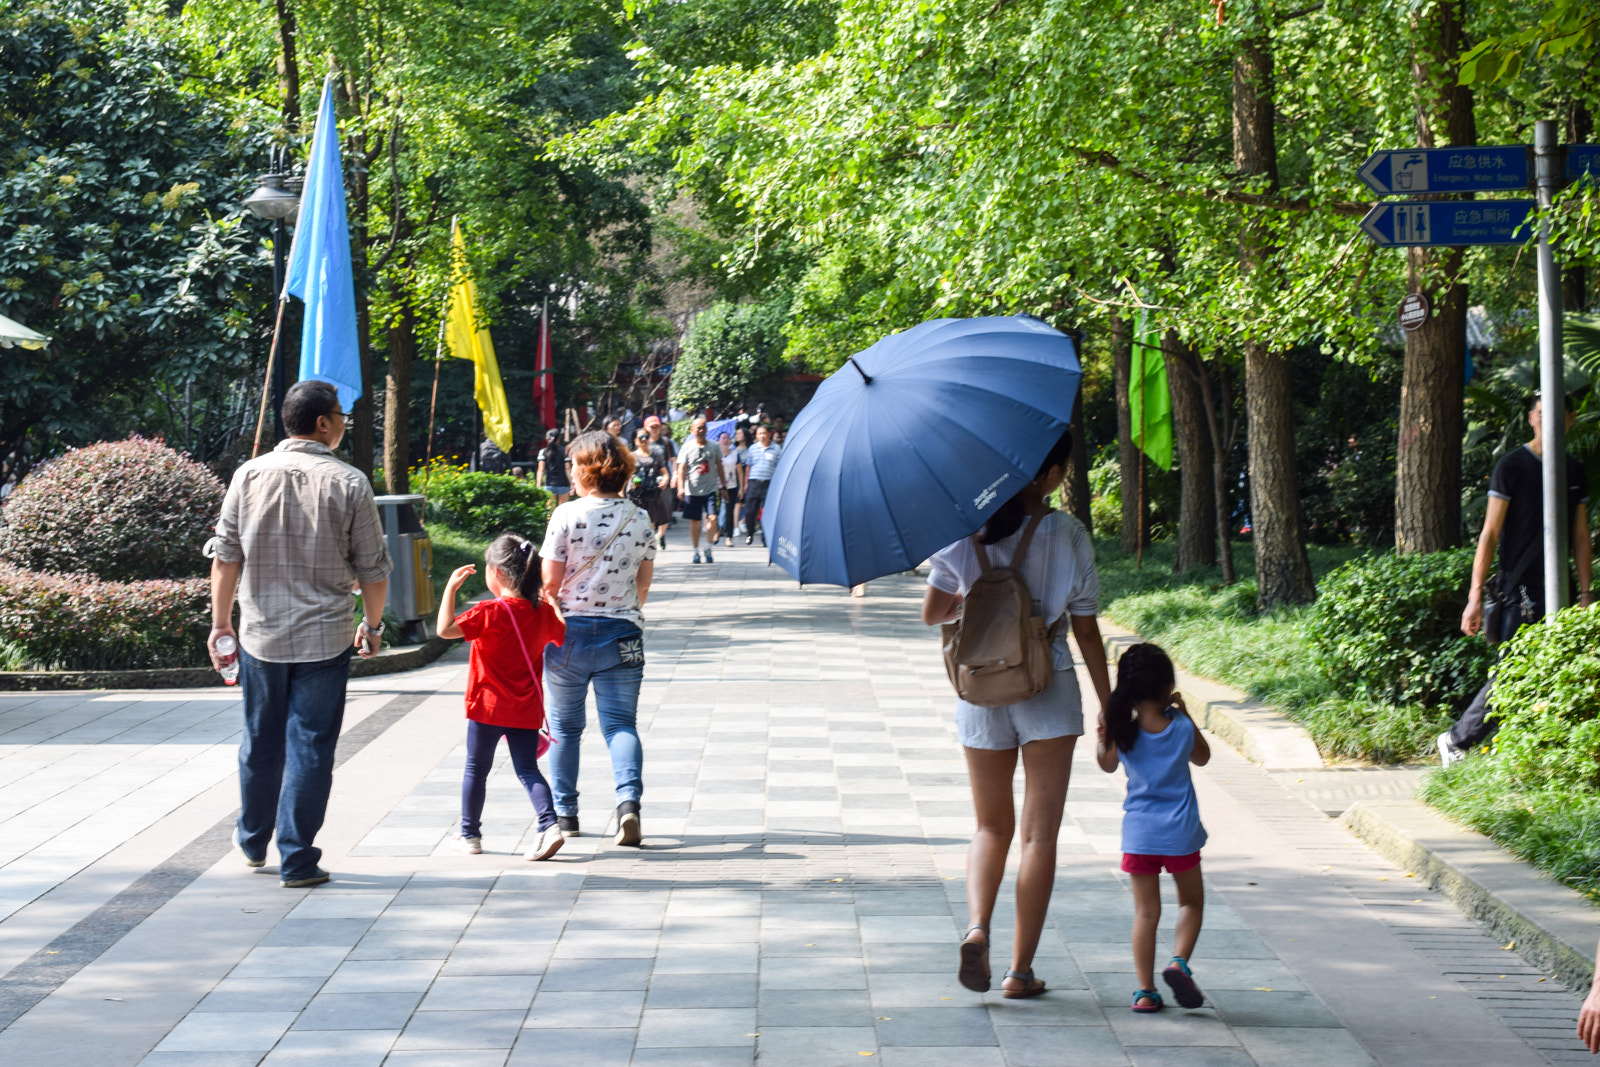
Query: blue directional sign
{"points": [[1583, 159], [1467, 169], [1461, 222]]}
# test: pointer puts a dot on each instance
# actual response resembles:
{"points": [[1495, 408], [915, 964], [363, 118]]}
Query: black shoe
{"points": [[750, 540], [568, 825], [318, 876], [628, 831]]}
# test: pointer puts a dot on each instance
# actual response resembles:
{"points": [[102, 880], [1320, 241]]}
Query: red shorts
{"points": [[1134, 863]]}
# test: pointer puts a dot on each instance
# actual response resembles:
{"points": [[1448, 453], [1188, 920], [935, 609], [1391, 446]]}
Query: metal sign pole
{"points": [[1547, 160]]}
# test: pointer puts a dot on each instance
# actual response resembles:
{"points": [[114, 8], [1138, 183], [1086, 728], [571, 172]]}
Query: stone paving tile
{"points": [[797, 901]]}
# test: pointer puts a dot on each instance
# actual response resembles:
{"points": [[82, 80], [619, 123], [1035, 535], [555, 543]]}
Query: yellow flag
{"points": [[466, 341]]}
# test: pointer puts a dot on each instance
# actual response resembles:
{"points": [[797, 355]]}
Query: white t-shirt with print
{"points": [[1059, 569], [578, 530]]}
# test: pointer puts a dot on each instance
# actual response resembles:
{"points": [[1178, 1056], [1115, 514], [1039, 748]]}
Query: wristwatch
{"points": [[371, 629]]}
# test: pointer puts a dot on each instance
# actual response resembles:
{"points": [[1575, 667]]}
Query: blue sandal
{"points": [[1140, 994]]}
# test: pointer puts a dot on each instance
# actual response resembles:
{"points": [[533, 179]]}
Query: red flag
{"points": [[544, 381]]}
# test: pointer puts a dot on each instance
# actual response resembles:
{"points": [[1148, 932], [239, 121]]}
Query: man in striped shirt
{"points": [[763, 460]]}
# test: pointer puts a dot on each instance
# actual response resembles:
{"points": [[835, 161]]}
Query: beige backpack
{"points": [[998, 651]]}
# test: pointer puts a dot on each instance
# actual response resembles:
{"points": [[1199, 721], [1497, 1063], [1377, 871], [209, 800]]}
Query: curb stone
{"points": [[1553, 926], [388, 661]]}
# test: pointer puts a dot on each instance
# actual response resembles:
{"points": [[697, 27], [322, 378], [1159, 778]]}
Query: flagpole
{"points": [[1144, 420], [433, 405], [266, 386]]}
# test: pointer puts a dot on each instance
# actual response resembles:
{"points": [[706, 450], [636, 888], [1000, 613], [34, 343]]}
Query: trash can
{"points": [[410, 586]]}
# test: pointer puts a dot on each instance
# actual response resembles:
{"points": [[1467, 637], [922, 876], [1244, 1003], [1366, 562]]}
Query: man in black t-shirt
{"points": [[1515, 520]]}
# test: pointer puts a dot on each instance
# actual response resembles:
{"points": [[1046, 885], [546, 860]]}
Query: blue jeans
{"points": [[609, 653], [524, 745], [292, 716]]}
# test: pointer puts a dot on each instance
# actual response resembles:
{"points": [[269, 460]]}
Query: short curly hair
{"points": [[601, 461]]}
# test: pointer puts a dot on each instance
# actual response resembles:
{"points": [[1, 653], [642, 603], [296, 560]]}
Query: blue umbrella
{"points": [[914, 443]]}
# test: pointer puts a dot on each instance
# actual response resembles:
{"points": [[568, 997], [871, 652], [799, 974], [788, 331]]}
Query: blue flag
{"points": [[319, 265]]}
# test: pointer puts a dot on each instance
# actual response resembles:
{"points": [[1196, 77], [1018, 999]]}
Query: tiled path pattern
{"points": [[806, 816]]}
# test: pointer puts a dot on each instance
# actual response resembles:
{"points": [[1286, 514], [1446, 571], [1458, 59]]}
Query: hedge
{"points": [[74, 622]]}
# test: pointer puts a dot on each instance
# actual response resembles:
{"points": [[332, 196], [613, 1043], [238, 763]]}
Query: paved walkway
{"points": [[798, 902]]}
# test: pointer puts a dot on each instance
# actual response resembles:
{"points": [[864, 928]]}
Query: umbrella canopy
{"points": [[914, 443], [13, 333]]}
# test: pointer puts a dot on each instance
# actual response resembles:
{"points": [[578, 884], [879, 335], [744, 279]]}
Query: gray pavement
{"points": [[798, 901]]}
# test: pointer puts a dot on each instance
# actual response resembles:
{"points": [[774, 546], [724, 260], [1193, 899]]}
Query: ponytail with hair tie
{"points": [[513, 558], [1144, 672]]}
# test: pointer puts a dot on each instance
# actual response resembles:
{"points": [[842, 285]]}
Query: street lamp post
{"points": [[277, 199]]}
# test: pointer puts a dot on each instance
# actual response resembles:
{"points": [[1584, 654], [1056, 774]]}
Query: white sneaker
{"points": [[549, 843], [1448, 752], [472, 846]]}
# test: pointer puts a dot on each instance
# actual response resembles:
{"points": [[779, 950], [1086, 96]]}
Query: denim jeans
{"points": [[292, 716], [609, 653], [482, 738]]}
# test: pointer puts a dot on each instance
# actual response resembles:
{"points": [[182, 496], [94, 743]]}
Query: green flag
{"points": [[1149, 399]]}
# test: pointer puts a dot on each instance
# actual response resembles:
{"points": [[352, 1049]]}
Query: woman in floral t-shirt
{"points": [[599, 553]]}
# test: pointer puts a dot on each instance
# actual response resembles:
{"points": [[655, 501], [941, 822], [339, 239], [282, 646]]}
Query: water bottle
{"points": [[228, 649]]}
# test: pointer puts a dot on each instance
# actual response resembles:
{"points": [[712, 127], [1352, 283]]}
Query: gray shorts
{"points": [[1056, 712]]}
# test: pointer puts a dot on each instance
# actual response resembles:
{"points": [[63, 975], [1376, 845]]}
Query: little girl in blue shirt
{"points": [[1146, 727]]}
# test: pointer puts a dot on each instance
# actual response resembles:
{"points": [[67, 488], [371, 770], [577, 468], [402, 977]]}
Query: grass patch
{"points": [[1555, 829], [454, 548], [1213, 630]]}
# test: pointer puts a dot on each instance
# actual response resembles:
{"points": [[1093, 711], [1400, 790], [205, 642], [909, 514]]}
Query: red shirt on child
{"points": [[499, 690]]}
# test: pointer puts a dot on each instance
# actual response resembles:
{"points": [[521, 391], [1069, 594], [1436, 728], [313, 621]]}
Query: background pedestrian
{"points": [[700, 474], [762, 460], [554, 475], [1515, 520]]}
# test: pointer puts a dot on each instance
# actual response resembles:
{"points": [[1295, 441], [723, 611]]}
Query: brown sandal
{"points": [[974, 972], [1032, 987]]}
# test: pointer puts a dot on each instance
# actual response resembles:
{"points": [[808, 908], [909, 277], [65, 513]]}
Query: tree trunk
{"points": [[288, 66], [1133, 515], [1283, 569], [1219, 424], [1428, 478], [397, 406], [1075, 488], [1197, 535]]}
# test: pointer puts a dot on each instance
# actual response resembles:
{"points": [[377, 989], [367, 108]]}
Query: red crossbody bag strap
{"points": [[538, 687]]}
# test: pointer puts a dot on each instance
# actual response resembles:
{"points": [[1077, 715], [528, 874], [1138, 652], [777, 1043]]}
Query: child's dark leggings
{"points": [[524, 745]]}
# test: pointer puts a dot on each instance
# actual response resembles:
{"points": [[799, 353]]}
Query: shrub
{"points": [[1547, 700], [1387, 628], [73, 622], [484, 504], [123, 511]]}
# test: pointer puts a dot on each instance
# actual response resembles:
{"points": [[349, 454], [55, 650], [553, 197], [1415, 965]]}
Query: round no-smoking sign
{"points": [[1413, 311]]}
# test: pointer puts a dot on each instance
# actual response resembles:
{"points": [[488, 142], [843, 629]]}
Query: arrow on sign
{"points": [[1481, 168], [1482, 222]]}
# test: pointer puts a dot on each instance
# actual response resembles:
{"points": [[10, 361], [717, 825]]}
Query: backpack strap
{"points": [[1027, 539]]}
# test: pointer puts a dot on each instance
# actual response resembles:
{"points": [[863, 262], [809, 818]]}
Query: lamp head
{"points": [[271, 200]]}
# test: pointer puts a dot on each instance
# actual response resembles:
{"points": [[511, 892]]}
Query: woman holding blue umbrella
{"points": [[1058, 567]]}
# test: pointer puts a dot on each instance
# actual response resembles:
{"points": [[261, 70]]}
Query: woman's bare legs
{"points": [[1048, 765], [990, 771]]}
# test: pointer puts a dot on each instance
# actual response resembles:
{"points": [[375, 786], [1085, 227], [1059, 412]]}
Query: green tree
{"points": [[729, 350], [120, 232]]}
